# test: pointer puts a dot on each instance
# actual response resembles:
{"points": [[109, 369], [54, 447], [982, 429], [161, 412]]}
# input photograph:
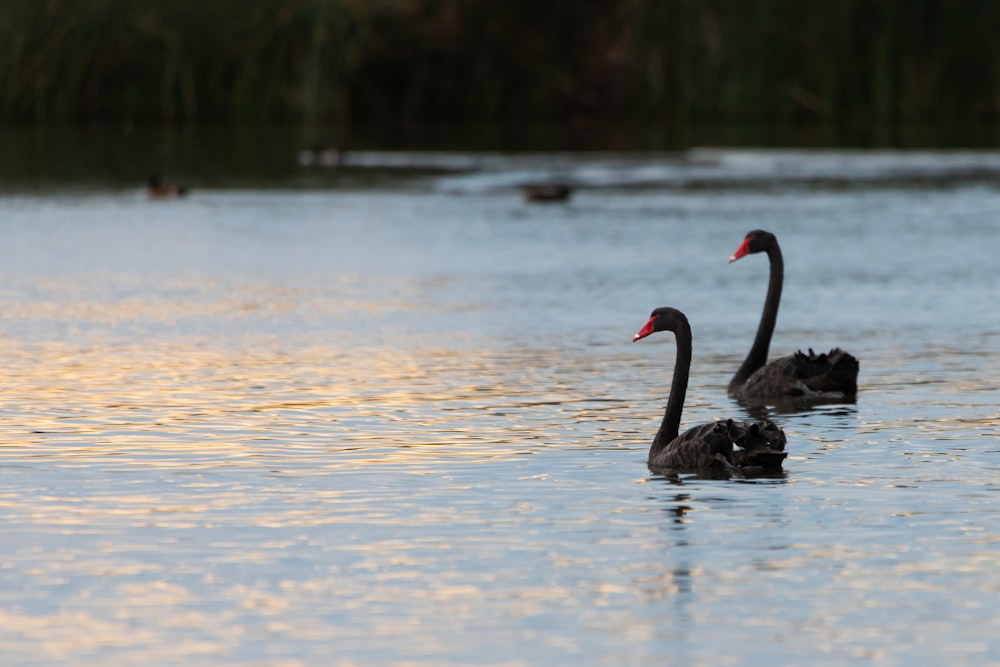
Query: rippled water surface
{"points": [[400, 421]]}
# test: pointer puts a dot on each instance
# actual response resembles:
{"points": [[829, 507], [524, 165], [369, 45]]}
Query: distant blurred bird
{"points": [[157, 189], [318, 156], [546, 192]]}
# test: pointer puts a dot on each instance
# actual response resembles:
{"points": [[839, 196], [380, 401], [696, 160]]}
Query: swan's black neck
{"points": [[757, 356], [671, 424]]}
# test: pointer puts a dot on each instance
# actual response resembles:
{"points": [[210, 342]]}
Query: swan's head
{"points": [[756, 241], [662, 319]]}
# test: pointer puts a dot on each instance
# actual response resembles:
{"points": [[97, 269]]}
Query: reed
{"points": [[313, 62]]}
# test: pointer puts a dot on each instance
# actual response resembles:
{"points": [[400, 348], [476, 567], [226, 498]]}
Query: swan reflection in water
{"points": [[789, 409]]}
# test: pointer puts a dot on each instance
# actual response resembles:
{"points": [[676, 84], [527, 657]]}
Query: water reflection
{"points": [[775, 410], [680, 509]]}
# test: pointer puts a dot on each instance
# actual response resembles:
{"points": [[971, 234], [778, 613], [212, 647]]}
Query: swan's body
{"points": [[830, 376], [724, 446]]}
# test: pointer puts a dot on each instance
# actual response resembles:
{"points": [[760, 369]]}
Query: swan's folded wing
{"points": [[729, 445], [811, 376], [832, 372], [750, 436], [761, 445], [698, 448]]}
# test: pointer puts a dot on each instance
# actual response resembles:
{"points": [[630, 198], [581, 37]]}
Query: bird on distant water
{"points": [[322, 156], [157, 189], [546, 192]]}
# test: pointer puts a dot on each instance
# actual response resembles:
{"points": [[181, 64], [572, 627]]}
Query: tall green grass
{"points": [[441, 61]]}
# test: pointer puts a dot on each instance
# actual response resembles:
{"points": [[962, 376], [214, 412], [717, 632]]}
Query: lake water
{"points": [[382, 418]]}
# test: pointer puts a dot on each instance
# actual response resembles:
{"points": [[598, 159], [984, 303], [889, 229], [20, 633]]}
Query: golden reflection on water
{"points": [[196, 409], [218, 468], [138, 563], [256, 403]]}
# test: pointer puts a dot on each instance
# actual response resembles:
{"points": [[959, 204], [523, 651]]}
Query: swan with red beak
{"points": [[832, 376], [723, 447]]}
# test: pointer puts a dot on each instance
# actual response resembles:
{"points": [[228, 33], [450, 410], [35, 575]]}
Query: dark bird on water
{"points": [[829, 376], [322, 156], [546, 192], [725, 446], [157, 189]]}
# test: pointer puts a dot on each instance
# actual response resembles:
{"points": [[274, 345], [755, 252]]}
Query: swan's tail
{"points": [[835, 372], [762, 445]]}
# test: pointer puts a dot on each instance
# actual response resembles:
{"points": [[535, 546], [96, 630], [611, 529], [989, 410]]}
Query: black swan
{"points": [[830, 376], [724, 446]]}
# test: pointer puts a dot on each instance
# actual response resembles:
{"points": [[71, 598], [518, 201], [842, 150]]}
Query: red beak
{"points": [[645, 330], [741, 251]]}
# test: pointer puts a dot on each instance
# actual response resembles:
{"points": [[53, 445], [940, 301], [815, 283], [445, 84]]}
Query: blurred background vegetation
{"points": [[397, 63]]}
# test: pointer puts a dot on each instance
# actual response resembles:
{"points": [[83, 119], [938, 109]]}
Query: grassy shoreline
{"points": [[410, 62]]}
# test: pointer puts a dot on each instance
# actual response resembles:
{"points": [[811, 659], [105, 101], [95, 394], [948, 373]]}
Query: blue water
{"points": [[401, 422]]}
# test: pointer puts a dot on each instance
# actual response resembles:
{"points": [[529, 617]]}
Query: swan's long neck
{"points": [[671, 424], [757, 356]]}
